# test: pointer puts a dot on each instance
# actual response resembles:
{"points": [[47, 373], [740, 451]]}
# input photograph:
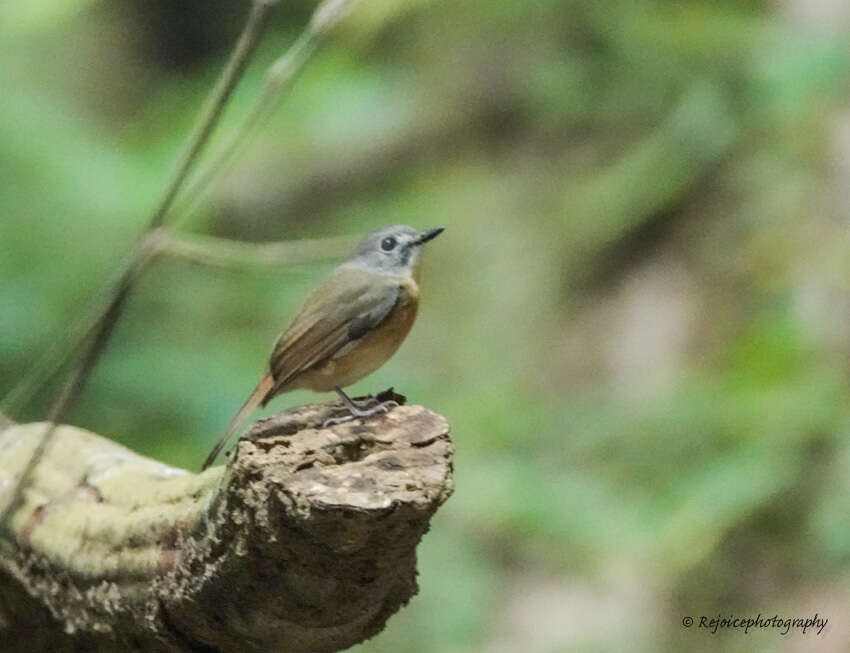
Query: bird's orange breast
{"points": [[368, 353]]}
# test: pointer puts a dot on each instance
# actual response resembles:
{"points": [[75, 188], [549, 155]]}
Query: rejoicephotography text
{"points": [[785, 624]]}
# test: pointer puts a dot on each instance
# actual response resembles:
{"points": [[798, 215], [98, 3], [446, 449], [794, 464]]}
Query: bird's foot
{"points": [[365, 403], [354, 411]]}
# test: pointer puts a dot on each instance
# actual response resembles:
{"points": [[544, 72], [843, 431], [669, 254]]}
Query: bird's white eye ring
{"points": [[388, 243]]}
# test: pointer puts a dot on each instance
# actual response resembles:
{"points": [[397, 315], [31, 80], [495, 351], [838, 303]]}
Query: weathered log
{"points": [[305, 541]]}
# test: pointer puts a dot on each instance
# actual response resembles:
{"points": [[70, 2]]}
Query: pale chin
{"points": [[414, 256]]}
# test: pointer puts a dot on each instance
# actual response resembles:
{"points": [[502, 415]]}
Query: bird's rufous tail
{"points": [[251, 404]]}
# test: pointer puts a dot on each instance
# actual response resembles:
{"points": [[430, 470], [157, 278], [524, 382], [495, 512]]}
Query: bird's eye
{"points": [[388, 243]]}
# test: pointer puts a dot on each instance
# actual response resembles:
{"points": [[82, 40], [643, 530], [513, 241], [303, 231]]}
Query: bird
{"points": [[347, 328]]}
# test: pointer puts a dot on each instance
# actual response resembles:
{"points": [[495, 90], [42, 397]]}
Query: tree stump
{"points": [[305, 541]]}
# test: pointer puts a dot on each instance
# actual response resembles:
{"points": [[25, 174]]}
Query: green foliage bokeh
{"points": [[636, 321]]}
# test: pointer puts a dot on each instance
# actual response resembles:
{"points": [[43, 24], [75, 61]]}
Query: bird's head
{"points": [[394, 249]]}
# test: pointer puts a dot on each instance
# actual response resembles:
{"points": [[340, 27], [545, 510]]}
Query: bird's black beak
{"points": [[428, 235]]}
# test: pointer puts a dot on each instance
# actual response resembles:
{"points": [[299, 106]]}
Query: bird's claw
{"points": [[336, 420], [353, 413]]}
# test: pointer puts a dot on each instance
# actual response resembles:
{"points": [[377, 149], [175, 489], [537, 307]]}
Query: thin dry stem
{"points": [[97, 339], [232, 254], [278, 79], [245, 46]]}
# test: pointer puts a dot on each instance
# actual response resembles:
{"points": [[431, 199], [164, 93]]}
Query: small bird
{"points": [[348, 327]]}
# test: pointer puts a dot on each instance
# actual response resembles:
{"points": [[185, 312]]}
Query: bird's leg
{"points": [[360, 404], [359, 410]]}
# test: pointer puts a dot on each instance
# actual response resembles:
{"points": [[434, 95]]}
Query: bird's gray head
{"points": [[392, 249]]}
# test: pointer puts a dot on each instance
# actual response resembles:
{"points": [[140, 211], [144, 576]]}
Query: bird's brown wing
{"points": [[340, 311]]}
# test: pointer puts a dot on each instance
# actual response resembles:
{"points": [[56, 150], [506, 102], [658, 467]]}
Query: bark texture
{"points": [[305, 541]]}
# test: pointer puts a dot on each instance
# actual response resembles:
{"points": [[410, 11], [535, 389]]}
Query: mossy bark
{"points": [[306, 541]]}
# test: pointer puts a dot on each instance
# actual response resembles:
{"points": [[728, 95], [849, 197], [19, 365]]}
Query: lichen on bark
{"points": [[305, 541]]}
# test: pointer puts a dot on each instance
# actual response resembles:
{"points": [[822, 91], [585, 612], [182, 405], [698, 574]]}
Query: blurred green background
{"points": [[637, 321]]}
